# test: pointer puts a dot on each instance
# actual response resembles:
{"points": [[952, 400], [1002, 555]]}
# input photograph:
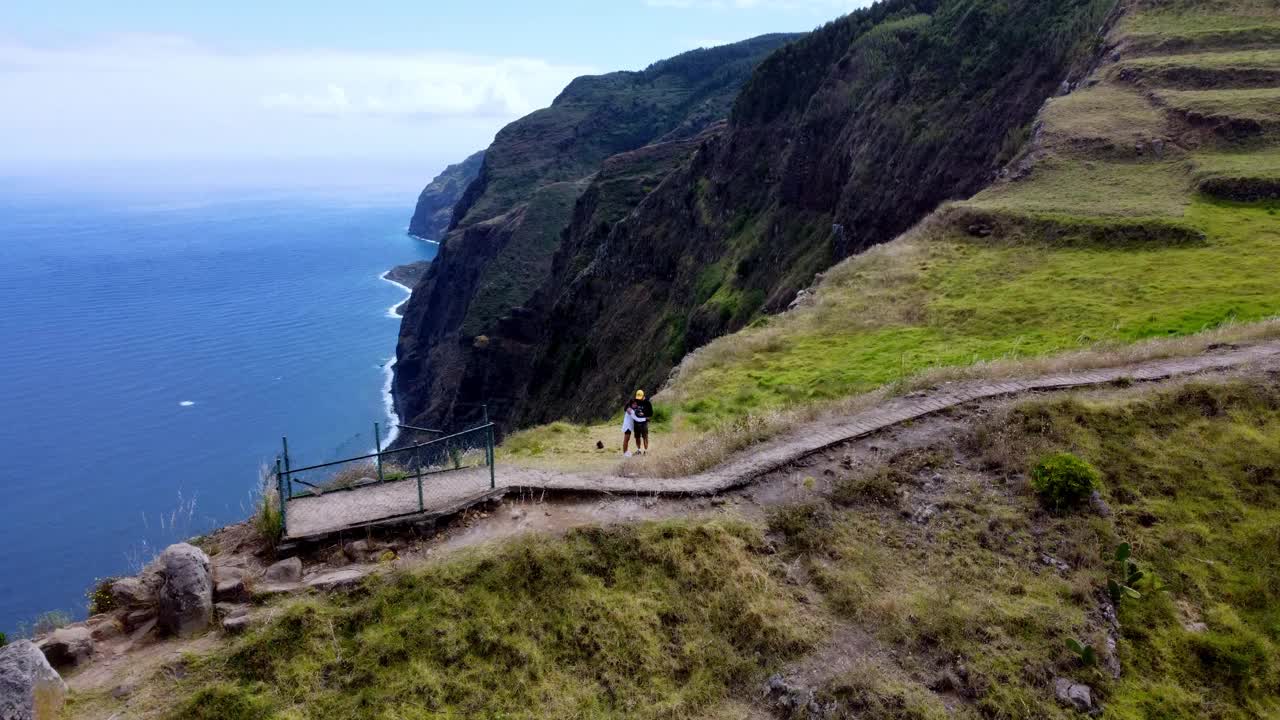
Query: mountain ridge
{"points": [[855, 149]]}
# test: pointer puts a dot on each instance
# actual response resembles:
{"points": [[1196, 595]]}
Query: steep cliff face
{"points": [[434, 211], [508, 225], [839, 141]]}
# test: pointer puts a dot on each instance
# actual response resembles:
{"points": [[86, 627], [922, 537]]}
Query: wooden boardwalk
{"points": [[451, 492]]}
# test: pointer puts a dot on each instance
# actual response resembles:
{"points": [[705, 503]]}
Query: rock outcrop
{"points": [[68, 647], [30, 689], [434, 211], [186, 597], [284, 572], [1076, 696]]}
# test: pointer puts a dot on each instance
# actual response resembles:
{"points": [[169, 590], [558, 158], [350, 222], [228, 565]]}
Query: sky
{"points": [[90, 87]]}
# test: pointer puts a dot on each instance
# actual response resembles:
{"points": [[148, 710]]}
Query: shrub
{"points": [[224, 702], [267, 519], [3, 640], [50, 621], [99, 596], [1063, 480], [879, 487], [806, 525]]}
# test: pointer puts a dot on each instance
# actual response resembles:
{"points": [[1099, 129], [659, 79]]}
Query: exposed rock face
{"points": [[818, 161], [186, 597], [409, 275], [30, 689], [1073, 695], [232, 590], [435, 205], [340, 579], [507, 227], [284, 572], [132, 592], [68, 646]]}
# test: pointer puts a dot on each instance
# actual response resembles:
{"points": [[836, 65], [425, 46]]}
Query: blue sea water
{"points": [[155, 345]]}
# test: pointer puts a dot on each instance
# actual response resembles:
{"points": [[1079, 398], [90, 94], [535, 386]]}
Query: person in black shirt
{"points": [[641, 412]]}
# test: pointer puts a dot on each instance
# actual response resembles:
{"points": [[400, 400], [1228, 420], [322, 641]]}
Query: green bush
{"points": [[3, 640], [879, 487], [1063, 481], [224, 701], [99, 596], [661, 414], [806, 526], [267, 519]]}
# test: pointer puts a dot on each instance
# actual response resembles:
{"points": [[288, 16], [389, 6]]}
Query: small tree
{"points": [[1064, 481]]}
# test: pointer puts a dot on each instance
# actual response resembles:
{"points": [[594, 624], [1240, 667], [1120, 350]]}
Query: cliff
{"points": [[434, 211], [837, 142], [508, 226]]}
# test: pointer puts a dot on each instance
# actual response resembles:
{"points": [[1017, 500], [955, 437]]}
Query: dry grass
{"points": [[1102, 114]]}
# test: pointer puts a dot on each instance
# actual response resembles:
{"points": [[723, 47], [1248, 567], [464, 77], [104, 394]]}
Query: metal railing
{"points": [[419, 476]]}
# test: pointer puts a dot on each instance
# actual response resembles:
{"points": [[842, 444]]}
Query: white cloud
{"points": [[160, 95]]}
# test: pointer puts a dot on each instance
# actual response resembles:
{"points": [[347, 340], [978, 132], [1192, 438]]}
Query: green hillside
{"points": [[965, 614], [1124, 220]]}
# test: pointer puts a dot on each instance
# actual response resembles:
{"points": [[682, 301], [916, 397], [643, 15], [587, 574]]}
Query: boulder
{"points": [[225, 573], [236, 624], [104, 627], [30, 689], [285, 572], [186, 597], [138, 618], [360, 551], [132, 592], [230, 591], [1073, 695], [227, 609], [68, 647], [339, 579]]}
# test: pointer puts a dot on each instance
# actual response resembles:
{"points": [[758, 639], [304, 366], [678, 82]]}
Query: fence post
{"points": [[288, 476], [284, 525], [421, 506], [493, 482], [377, 444]]}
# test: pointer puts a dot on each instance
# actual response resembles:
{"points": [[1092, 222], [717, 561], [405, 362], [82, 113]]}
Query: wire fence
{"points": [[428, 471]]}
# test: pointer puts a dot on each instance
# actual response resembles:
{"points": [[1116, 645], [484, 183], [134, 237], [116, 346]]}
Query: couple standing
{"points": [[635, 421]]}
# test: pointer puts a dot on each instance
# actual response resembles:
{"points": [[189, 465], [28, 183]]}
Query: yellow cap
{"points": [[639, 394]]}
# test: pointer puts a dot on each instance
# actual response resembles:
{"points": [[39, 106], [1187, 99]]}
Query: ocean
{"points": [[156, 344]]}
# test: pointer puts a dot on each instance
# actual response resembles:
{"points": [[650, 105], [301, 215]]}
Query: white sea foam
{"points": [[388, 370], [391, 311], [388, 401], [419, 237], [186, 403]]}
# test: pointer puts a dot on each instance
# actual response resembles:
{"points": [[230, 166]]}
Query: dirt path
{"points": [[815, 436], [329, 513]]}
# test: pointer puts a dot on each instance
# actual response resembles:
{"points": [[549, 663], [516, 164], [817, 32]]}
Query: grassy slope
{"points": [[955, 617], [1057, 275], [654, 621], [1105, 240], [1193, 478]]}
